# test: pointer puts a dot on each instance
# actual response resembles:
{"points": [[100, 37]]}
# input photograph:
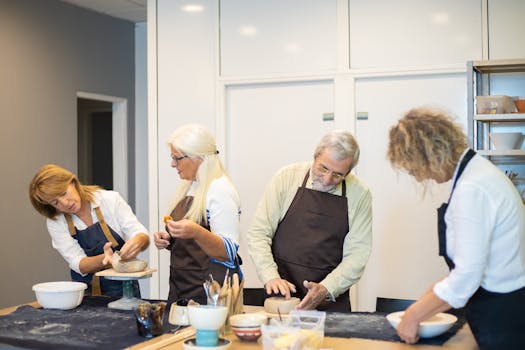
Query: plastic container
{"points": [[302, 330], [495, 105]]}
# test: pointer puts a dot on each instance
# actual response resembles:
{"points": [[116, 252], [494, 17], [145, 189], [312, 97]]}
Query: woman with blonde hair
{"points": [[481, 231], [203, 232], [83, 221]]}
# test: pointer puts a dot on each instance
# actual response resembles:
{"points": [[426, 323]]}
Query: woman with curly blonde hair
{"points": [[481, 231]]}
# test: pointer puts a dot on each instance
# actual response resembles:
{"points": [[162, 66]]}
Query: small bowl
{"points": [[247, 327], [506, 140], [63, 295], [434, 326]]}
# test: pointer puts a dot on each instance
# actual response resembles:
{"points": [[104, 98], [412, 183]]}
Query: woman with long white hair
{"points": [[203, 228]]}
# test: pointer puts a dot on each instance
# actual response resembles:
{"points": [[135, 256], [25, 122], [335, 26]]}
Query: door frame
{"points": [[119, 121]]}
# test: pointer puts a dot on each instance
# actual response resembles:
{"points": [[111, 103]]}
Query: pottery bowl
{"points": [[247, 327], [432, 327], [63, 295], [506, 140]]}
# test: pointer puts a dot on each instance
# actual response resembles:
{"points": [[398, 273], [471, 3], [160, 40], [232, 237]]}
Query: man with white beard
{"points": [[312, 232]]}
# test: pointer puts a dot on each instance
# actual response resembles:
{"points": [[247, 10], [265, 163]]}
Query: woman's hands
{"points": [[184, 229], [407, 329], [211, 243], [134, 246], [161, 240]]}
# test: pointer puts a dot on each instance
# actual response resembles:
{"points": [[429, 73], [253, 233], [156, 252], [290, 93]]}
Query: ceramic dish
{"points": [[190, 344], [434, 326]]}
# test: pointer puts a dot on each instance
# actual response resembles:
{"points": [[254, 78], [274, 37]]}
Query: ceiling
{"points": [[131, 10]]}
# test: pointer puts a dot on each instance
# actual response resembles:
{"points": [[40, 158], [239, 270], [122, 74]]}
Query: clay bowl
{"points": [[247, 327]]}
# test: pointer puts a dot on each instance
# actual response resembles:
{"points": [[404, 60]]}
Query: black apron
{"points": [[496, 319], [92, 240], [308, 243], [190, 266]]}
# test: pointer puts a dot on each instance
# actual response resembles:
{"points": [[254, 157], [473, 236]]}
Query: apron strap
{"points": [[105, 228], [95, 281], [70, 224], [468, 156], [95, 286]]}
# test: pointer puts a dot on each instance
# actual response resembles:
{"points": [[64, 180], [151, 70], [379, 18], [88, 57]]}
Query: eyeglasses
{"points": [[177, 159], [324, 171]]}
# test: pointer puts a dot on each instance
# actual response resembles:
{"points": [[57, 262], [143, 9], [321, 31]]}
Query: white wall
{"points": [[382, 57], [141, 137]]}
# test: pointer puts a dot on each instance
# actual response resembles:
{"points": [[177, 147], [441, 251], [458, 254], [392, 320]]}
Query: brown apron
{"points": [[190, 265], [308, 243]]}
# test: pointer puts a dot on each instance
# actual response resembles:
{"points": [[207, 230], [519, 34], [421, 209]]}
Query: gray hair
{"points": [[341, 144]]}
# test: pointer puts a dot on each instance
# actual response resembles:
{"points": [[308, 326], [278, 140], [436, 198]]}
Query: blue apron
{"points": [[496, 319], [92, 240]]}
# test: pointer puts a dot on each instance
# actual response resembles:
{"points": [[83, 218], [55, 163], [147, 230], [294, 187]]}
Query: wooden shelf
{"points": [[508, 117], [499, 66], [503, 153]]}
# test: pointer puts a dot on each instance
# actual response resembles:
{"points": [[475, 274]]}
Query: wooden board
{"points": [[109, 273]]}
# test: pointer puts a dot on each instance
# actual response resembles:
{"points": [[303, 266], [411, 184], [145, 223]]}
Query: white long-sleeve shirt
{"points": [[117, 214], [485, 235], [223, 210]]}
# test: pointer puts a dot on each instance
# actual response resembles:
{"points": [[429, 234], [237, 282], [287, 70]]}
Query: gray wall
{"points": [[49, 50]]}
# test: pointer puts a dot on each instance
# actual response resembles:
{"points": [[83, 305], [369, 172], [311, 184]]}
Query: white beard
{"points": [[317, 184]]}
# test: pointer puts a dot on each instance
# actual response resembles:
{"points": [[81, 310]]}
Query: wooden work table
{"points": [[462, 340]]}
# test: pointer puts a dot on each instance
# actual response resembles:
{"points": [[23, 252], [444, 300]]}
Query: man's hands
{"points": [[316, 292], [279, 286], [316, 295]]}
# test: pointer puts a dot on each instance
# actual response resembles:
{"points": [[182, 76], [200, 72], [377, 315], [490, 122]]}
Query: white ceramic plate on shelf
{"points": [[434, 326]]}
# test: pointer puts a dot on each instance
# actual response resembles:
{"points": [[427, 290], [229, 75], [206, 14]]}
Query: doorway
{"points": [[102, 141], [95, 142]]}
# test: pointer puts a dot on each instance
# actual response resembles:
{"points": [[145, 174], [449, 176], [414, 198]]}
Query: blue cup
{"points": [[206, 337]]}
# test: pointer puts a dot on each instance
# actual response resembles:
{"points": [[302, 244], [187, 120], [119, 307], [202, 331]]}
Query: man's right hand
{"points": [[279, 286]]}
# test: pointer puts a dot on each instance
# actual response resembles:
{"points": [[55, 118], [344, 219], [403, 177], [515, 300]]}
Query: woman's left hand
{"points": [[185, 229], [108, 254], [407, 329]]}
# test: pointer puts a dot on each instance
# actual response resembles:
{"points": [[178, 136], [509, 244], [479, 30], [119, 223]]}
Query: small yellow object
{"points": [[304, 339], [166, 218]]}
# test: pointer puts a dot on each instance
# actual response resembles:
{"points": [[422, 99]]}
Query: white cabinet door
{"points": [[269, 126], [507, 29], [404, 33], [404, 260], [274, 36]]}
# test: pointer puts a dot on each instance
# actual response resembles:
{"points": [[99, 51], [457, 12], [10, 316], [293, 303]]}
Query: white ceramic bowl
{"points": [[248, 320], [434, 326], [247, 327], [506, 140], [59, 295], [207, 317]]}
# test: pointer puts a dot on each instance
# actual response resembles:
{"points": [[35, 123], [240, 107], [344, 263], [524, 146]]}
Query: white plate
{"points": [[434, 326], [190, 344]]}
